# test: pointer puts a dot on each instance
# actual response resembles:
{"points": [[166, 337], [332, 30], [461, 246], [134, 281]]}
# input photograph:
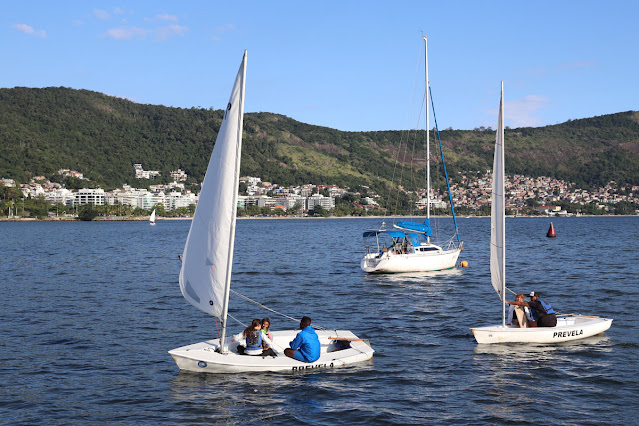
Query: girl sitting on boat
{"points": [[266, 323], [254, 339]]}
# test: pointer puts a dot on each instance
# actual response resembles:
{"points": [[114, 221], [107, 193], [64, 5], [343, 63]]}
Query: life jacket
{"points": [[547, 307], [254, 340]]}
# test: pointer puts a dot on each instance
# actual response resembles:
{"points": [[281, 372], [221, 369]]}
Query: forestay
{"points": [[208, 252]]}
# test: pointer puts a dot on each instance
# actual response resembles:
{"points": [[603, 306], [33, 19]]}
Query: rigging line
{"points": [[393, 190], [269, 309], [450, 194], [240, 322]]}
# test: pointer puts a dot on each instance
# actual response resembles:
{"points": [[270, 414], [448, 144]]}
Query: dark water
{"points": [[89, 310]]}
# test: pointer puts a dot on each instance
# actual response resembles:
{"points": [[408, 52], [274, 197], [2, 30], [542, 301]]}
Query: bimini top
{"points": [[394, 234], [422, 228]]}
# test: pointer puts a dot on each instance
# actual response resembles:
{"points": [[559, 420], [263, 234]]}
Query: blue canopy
{"points": [[395, 234], [423, 228]]}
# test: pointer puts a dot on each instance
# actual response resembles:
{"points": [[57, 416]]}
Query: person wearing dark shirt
{"points": [[544, 313]]}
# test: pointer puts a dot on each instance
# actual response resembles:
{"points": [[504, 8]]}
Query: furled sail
{"points": [[497, 215], [208, 252]]}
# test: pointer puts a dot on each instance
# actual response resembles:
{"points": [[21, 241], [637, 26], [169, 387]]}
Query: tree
{"points": [[318, 211], [87, 212]]}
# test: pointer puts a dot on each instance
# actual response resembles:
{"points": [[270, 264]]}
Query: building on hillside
{"points": [[89, 196], [179, 175], [140, 173], [60, 196], [313, 201]]}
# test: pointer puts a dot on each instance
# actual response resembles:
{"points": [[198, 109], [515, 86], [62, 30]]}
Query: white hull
{"points": [[202, 357], [411, 262], [568, 328]]}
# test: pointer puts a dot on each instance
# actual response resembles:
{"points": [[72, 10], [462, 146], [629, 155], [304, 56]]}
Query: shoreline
{"points": [[161, 219]]}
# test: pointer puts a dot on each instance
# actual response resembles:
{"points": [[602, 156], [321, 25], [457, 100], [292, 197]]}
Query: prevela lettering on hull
{"points": [[308, 367], [567, 333]]}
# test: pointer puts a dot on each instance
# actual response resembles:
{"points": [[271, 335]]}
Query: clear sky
{"points": [[349, 65]]}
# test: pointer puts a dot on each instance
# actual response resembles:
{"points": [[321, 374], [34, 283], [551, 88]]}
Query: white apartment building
{"points": [[319, 200], [175, 200], [89, 196], [140, 173], [60, 195]]}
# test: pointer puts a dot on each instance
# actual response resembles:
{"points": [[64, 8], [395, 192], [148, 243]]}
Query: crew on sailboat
{"points": [[266, 324], [521, 315], [306, 346], [254, 339], [542, 311]]}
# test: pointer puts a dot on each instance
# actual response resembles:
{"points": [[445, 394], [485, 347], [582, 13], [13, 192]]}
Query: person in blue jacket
{"points": [[306, 346]]}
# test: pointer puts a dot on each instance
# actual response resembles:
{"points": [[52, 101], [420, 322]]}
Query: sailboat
{"points": [[569, 327], [205, 276], [152, 218], [407, 247]]}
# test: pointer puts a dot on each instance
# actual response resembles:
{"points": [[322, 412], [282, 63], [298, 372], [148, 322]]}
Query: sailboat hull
{"points": [[568, 328], [387, 263], [203, 358]]}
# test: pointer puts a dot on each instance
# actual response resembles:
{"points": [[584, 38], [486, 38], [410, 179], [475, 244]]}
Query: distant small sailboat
{"points": [[551, 231], [152, 218], [569, 327], [205, 276]]}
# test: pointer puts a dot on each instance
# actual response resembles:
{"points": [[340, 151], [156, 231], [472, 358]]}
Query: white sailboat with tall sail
{"points": [[205, 276], [569, 327], [152, 218], [407, 247]]}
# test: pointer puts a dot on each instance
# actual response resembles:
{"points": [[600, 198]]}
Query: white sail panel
{"points": [[208, 252], [497, 215], [152, 218]]}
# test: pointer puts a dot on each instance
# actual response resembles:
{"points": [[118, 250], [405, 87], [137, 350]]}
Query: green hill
{"points": [[44, 130]]}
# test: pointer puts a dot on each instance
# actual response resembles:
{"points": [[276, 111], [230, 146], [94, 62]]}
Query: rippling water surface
{"points": [[88, 312]]}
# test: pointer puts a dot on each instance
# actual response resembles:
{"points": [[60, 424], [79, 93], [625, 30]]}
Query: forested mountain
{"points": [[44, 130]]}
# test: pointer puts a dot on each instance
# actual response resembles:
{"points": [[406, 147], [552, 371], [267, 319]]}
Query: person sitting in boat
{"points": [[254, 339], [521, 314], [306, 346], [266, 323], [544, 313]]}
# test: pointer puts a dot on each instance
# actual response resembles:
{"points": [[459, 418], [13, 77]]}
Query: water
{"points": [[89, 310]]}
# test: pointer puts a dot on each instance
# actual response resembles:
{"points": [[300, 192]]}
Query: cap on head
{"points": [[533, 293]]}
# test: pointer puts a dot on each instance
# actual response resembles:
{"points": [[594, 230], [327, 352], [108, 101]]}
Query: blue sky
{"points": [[349, 65]]}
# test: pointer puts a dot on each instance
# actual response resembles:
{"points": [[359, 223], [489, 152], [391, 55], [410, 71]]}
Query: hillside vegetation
{"points": [[44, 130]]}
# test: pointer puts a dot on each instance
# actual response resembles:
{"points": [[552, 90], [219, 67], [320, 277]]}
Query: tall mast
{"points": [[427, 134], [502, 191], [238, 155]]}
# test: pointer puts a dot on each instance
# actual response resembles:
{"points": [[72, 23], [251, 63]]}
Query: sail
{"points": [[208, 252], [152, 218], [415, 226], [497, 215]]}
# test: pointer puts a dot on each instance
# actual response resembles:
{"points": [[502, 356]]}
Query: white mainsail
{"points": [[497, 215], [205, 276], [152, 218]]}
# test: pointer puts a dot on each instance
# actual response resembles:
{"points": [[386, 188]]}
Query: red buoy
{"points": [[551, 231]]}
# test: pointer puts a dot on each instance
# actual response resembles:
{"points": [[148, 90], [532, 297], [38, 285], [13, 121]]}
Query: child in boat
{"points": [[254, 339], [266, 323], [519, 316]]}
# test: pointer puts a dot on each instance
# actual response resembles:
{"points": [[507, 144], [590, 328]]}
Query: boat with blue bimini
{"points": [[407, 245]]}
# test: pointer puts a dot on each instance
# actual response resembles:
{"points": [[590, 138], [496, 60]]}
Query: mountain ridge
{"points": [[44, 130]]}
